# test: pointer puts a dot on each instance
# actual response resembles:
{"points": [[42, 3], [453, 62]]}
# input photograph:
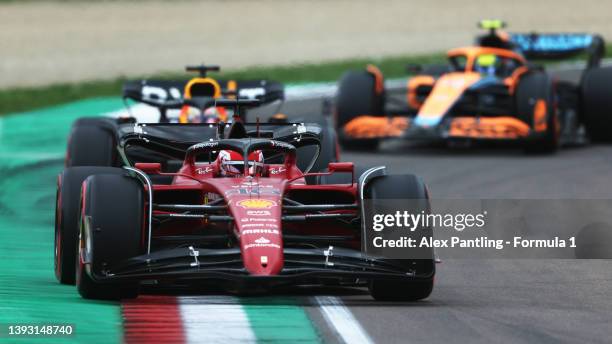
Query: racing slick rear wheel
{"points": [[535, 105], [411, 189], [112, 230], [67, 217], [91, 143], [597, 103], [357, 96]]}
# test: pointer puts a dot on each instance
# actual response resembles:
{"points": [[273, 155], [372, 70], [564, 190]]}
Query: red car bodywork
{"points": [[250, 208], [256, 204]]}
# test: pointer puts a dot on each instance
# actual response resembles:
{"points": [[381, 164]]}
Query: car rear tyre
{"points": [[532, 89], [67, 205], [357, 96], [113, 210], [91, 143], [597, 103], [403, 187]]}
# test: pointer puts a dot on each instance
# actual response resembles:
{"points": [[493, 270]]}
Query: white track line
{"points": [[215, 319], [341, 320]]}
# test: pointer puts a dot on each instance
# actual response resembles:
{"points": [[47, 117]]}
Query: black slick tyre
{"points": [[112, 224]]}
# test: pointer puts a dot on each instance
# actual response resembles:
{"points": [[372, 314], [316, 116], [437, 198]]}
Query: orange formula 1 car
{"points": [[486, 92]]}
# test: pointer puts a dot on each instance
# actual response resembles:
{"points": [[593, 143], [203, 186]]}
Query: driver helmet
{"points": [[189, 115], [210, 115], [214, 114], [485, 64], [231, 163]]}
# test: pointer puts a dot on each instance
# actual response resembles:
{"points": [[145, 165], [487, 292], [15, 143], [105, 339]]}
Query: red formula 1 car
{"points": [[237, 211], [488, 91]]}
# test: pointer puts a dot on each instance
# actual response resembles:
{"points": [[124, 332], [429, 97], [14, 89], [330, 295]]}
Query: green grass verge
{"points": [[23, 99]]}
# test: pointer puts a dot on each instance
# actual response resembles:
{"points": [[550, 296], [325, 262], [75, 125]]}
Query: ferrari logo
{"points": [[256, 203]]}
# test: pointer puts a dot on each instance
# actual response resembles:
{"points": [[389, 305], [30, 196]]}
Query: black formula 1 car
{"points": [[169, 95], [489, 91], [238, 210]]}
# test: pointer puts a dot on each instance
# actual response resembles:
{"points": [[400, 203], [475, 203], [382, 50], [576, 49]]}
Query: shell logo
{"points": [[256, 203]]}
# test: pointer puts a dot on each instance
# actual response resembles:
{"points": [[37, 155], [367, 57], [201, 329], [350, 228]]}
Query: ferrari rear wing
{"points": [[560, 46]]}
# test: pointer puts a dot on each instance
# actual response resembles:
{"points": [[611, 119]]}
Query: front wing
{"points": [[302, 266], [468, 127]]}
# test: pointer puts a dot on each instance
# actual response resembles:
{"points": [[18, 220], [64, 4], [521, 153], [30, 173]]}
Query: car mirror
{"points": [[149, 167], [340, 167]]}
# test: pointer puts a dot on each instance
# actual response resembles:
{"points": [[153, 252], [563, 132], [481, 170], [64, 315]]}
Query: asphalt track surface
{"points": [[489, 301]]}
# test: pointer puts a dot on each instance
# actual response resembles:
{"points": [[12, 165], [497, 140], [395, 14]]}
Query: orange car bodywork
{"points": [[447, 89], [379, 83], [488, 128], [471, 53], [413, 84], [368, 127]]}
